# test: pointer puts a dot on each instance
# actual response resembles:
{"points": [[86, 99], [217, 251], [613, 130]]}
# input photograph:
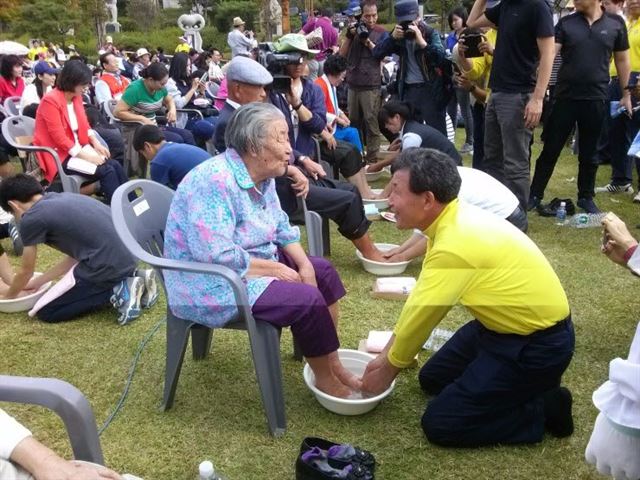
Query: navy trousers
{"points": [[489, 386], [83, 297]]}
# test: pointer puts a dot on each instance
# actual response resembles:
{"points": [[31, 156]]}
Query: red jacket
{"points": [[53, 129], [7, 89]]}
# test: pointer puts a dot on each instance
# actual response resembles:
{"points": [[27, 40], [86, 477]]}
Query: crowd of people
{"points": [[240, 150]]}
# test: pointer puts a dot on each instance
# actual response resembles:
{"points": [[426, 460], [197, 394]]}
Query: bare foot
{"points": [[346, 377], [375, 255], [333, 387]]}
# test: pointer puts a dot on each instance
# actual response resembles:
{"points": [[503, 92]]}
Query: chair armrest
{"points": [[191, 111], [67, 402]]}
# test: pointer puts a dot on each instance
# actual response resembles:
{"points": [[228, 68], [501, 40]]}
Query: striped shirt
{"points": [[141, 101]]}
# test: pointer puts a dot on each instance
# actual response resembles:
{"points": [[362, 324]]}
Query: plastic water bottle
{"points": [[206, 471], [587, 220], [561, 214]]}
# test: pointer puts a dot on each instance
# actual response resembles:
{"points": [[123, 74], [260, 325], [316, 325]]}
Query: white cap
{"points": [[206, 470], [142, 51]]}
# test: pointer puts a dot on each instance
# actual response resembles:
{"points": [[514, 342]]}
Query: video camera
{"points": [[361, 30], [275, 63]]}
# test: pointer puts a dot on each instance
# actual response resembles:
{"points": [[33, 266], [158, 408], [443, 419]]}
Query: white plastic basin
{"points": [[372, 176], [356, 362], [22, 304], [381, 203], [382, 269]]}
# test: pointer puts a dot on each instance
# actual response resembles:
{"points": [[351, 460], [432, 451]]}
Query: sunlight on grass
{"points": [[218, 414]]}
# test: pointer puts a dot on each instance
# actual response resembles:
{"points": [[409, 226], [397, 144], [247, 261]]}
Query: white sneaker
{"points": [[126, 299], [636, 199], [150, 295], [611, 188]]}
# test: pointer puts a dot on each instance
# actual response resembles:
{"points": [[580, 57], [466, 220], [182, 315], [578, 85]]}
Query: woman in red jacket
{"points": [[11, 82], [61, 123]]}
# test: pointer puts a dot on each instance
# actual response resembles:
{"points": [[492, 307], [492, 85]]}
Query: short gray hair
{"points": [[249, 127]]}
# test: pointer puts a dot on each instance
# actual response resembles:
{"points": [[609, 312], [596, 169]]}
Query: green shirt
{"points": [[141, 101], [486, 264]]}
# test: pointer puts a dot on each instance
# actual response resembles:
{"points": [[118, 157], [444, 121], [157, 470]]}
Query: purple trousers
{"points": [[304, 308]]}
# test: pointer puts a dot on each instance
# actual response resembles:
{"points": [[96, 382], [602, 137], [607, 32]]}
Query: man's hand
{"points": [[485, 47], [308, 274], [625, 102], [286, 274], [64, 470], [533, 112], [420, 41], [378, 375], [463, 82], [300, 182], [397, 33], [395, 145], [375, 167], [331, 141], [35, 283], [314, 169]]}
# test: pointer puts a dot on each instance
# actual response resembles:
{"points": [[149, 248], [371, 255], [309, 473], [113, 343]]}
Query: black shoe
{"points": [[588, 205], [557, 412], [551, 208], [314, 465], [340, 455], [533, 203]]}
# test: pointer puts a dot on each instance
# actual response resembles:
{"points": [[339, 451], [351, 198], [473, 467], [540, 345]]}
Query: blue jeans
{"points": [[489, 385]]}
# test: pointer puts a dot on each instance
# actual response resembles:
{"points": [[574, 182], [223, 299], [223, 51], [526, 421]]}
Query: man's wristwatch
{"points": [[297, 107]]}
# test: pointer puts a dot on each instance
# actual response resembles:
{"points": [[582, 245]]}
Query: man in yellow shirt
{"points": [[497, 380]]}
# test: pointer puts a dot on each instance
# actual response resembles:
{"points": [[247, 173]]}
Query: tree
{"points": [[9, 10], [94, 14], [47, 19]]}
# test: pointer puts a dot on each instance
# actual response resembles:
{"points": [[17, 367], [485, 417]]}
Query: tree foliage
{"points": [[226, 10], [9, 10], [47, 19], [143, 13]]}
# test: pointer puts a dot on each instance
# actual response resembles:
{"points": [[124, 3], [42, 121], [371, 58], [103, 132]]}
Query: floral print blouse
{"points": [[218, 215]]}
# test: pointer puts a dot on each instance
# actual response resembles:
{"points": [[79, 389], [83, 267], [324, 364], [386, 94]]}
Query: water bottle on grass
{"points": [[561, 214]]}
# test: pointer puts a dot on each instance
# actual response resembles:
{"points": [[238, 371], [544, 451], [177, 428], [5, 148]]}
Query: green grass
{"points": [[218, 414]]}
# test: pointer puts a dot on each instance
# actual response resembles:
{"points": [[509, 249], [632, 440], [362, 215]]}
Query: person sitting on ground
{"points": [[497, 380], [42, 84], [184, 89], [22, 457], [112, 83], [335, 71], [476, 188], [104, 272], [307, 116], [61, 124], [170, 162], [11, 81], [615, 441], [226, 212], [333, 199], [145, 96], [397, 118]]}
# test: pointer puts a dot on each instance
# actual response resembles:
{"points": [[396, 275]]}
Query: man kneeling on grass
{"points": [[81, 228], [497, 380]]}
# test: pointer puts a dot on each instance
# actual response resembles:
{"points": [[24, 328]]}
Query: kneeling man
{"points": [[497, 380]]}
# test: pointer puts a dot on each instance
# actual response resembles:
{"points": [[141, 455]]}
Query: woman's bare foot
{"points": [[346, 377], [334, 387], [375, 255]]}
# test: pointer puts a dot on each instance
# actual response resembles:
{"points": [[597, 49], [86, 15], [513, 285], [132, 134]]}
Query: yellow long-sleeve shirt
{"points": [[489, 266], [481, 68]]}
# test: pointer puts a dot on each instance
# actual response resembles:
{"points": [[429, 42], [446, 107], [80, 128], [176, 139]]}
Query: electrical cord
{"points": [[132, 370]]}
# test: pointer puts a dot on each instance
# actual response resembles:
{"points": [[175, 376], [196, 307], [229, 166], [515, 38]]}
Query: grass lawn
{"points": [[218, 415]]}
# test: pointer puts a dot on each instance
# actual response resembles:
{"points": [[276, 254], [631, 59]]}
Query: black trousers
{"points": [[565, 113], [478, 135], [338, 201], [345, 158], [489, 386], [83, 297]]}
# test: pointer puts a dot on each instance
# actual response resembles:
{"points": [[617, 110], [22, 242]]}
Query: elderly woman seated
{"points": [[226, 211]]}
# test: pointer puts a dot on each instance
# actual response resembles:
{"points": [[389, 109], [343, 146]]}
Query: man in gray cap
{"points": [[246, 80]]}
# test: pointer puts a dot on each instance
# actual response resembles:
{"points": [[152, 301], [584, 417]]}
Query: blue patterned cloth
{"points": [[218, 215]]}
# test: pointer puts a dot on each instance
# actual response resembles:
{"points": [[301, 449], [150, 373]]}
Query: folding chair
{"points": [[140, 224]]}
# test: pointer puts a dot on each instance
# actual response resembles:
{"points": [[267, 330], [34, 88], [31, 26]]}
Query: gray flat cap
{"points": [[245, 70]]}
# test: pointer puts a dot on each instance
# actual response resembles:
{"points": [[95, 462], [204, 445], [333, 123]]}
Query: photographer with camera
{"points": [[364, 76], [240, 41], [421, 79]]}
